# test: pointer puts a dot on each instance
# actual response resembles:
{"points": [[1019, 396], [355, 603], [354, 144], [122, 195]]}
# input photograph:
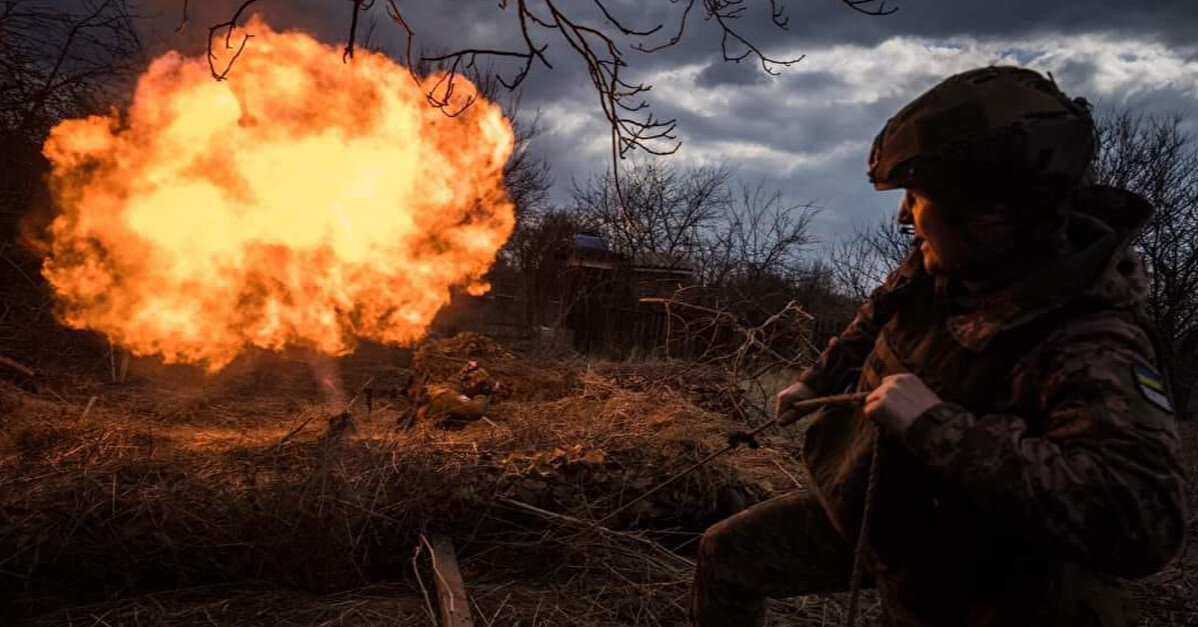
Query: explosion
{"points": [[300, 202]]}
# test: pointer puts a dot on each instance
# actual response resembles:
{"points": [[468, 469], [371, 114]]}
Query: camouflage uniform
{"points": [[1049, 471]]}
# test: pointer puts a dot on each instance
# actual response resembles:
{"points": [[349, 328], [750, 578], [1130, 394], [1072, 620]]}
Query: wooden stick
{"points": [[87, 410], [123, 372], [821, 401], [451, 592], [4, 361], [294, 431]]}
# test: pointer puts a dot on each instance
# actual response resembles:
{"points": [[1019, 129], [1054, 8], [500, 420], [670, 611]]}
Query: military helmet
{"points": [[1000, 131]]}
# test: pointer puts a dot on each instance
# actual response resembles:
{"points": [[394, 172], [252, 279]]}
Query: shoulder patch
{"points": [[1152, 385]]}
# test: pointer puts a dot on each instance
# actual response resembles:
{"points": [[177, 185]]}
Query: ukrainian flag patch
{"points": [[1152, 385]]}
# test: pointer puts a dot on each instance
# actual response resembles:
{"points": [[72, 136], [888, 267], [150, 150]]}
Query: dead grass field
{"points": [[183, 499]]}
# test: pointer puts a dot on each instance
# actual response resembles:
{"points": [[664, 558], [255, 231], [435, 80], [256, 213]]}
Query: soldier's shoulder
{"points": [[1108, 355], [1114, 327]]}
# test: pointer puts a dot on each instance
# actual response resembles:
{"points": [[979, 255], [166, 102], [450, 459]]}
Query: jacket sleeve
{"points": [[1101, 480], [837, 367]]}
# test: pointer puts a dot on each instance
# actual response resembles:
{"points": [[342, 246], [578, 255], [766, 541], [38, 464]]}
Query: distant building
{"points": [[660, 275], [602, 292], [590, 250]]}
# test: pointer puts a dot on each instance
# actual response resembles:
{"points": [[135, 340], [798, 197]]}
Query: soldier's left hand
{"points": [[898, 401]]}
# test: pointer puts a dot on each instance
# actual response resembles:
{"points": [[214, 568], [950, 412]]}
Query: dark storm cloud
{"points": [[818, 23], [816, 81], [723, 73], [830, 21], [815, 23], [762, 117]]}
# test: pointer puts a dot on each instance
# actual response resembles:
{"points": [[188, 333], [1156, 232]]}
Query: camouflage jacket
{"points": [[1051, 469]]}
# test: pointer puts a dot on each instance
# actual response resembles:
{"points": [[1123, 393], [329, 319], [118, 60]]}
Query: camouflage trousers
{"points": [[781, 548], [787, 547]]}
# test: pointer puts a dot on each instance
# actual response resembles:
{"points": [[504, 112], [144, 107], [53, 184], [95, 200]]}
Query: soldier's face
{"points": [[944, 250]]}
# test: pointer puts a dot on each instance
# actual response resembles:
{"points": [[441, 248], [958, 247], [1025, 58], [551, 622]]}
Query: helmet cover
{"points": [[998, 131]]}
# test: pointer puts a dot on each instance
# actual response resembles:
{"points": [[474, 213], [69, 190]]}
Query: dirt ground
{"points": [[178, 498]]}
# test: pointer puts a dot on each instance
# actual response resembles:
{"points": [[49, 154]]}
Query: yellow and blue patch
{"points": [[1152, 385]]}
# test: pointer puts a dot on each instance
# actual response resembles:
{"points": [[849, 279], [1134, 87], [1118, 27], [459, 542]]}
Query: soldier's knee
{"points": [[714, 546]]}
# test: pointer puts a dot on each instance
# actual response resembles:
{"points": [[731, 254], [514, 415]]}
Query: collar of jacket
{"points": [[1101, 224]]}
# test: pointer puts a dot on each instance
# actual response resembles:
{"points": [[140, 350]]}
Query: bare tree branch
{"points": [[723, 12], [228, 26], [862, 6], [184, 19], [359, 6], [101, 15]]}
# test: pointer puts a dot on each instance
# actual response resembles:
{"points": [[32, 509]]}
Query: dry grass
{"points": [[180, 499]]}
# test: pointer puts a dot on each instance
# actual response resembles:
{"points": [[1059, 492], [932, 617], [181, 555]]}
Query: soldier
{"points": [[443, 406], [1028, 458]]}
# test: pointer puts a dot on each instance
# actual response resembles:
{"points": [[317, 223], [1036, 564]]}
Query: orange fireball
{"points": [[302, 201]]}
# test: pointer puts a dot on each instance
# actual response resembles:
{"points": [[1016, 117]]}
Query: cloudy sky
{"points": [[806, 130]]}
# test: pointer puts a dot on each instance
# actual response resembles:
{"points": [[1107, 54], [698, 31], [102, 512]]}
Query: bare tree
{"points": [[1157, 158], [55, 62], [743, 246], [861, 261], [731, 236], [751, 262], [527, 175], [667, 213], [760, 235]]}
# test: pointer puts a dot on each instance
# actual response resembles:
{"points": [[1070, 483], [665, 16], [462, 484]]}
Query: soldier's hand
{"points": [[784, 413], [898, 401]]}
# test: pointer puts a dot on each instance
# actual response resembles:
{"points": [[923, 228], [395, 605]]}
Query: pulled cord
{"points": [[871, 490]]}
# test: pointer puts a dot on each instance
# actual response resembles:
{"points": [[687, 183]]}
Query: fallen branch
{"points": [[451, 591], [87, 410], [294, 431], [4, 361]]}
